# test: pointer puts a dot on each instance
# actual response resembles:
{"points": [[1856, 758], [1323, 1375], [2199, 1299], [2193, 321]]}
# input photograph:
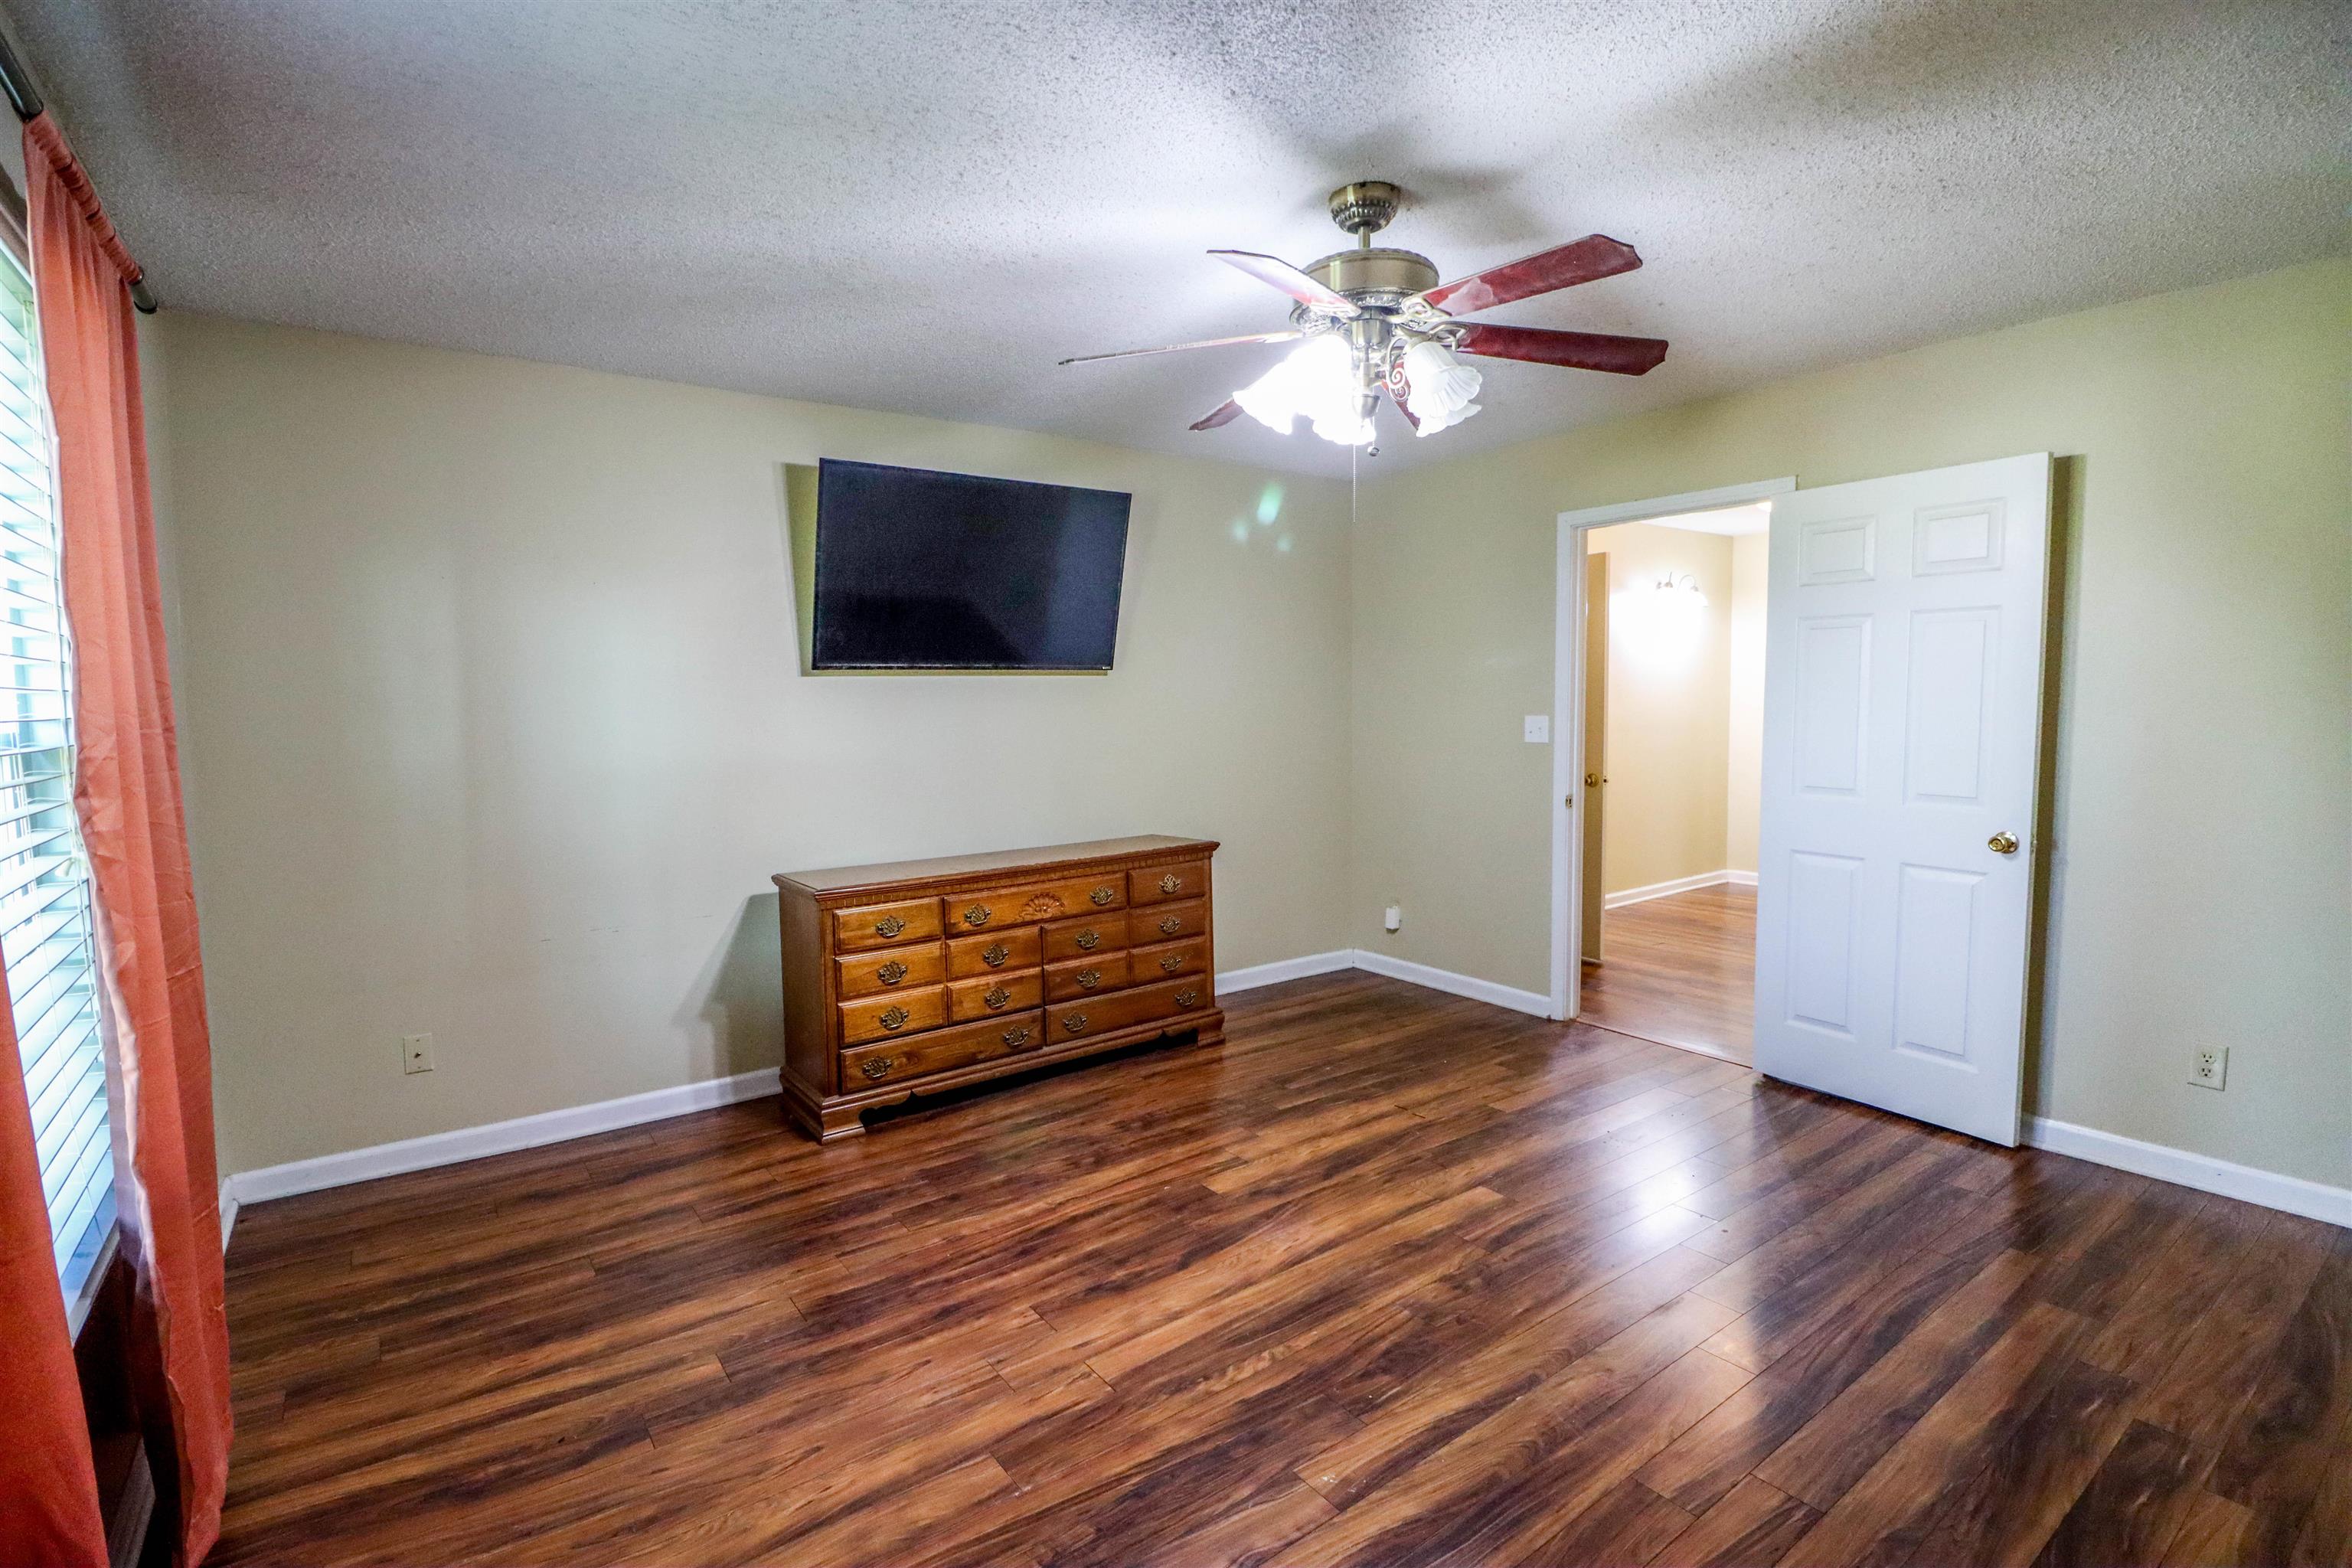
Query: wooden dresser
{"points": [[926, 975]]}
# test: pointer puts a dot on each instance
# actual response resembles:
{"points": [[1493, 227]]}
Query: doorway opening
{"points": [[1661, 687], [1673, 714]]}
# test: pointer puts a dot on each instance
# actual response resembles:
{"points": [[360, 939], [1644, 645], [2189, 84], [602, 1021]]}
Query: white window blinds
{"points": [[44, 913]]}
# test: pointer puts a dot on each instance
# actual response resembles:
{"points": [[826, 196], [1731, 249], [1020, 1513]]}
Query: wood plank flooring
{"points": [[1680, 969], [1393, 1277]]}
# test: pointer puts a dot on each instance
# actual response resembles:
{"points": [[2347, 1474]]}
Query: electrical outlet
{"points": [[2209, 1067], [1392, 918], [417, 1052]]}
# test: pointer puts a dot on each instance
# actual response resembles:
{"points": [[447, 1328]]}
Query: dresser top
{"points": [[844, 878]]}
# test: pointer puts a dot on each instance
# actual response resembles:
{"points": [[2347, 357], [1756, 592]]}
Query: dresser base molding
{"points": [[898, 978], [844, 1118]]}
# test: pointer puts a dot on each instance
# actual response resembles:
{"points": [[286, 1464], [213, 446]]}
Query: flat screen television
{"points": [[918, 569]]}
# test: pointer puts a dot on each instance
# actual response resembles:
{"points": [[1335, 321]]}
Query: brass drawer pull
{"points": [[1102, 896], [997, 954], [1074, 1022], [997, 997], [1185, 998], [1016, 1038], [1088, 979], [891, 973], [1169, 883], [888, 926], [892, 1017], [976, 916], [1170, 925], [875, 1066], [1172, 963], [1089, 939]]}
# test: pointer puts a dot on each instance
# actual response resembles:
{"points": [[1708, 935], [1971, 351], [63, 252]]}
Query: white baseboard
{"points": [[497, 1138], [1618, 899], [580, 1122], [1453, 985], [1283, 969], [2313, 1200]]}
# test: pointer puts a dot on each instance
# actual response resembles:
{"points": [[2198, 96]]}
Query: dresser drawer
{"points": [[889, 969], [889, 1061], [1088, 976], [1028, 903], [1167, 921], [1168, 960], [1088, 936], [1162, 883], [1100, 1016], [993, 994], [880, 925], [897, 1013], [997, 953]]}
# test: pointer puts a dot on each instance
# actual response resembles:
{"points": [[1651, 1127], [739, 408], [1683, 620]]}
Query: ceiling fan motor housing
{"points": [[1375, 279]]}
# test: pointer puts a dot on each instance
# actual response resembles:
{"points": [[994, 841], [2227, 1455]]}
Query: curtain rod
{"points": [[26, 99]]}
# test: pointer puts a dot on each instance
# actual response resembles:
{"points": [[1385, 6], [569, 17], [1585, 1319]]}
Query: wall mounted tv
{"points": [[918, 569]]}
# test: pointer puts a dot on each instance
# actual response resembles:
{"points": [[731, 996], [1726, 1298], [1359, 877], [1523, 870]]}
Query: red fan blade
{"points": [[1226, 413], [1579, 261], [1282, 275], [1577, 351], [1174, 348]]}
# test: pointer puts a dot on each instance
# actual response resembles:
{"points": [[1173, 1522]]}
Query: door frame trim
{"points": [[1567, 706]]}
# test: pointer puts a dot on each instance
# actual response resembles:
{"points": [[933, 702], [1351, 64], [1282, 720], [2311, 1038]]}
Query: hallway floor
{"points": [[1681, 971]]}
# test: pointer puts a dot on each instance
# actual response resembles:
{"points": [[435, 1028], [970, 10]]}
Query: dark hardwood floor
{"points": [[1680, 969], [1392, 1279]]}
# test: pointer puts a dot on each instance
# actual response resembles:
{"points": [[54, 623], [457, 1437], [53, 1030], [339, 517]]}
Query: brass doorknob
{"points": [[2003, 844], [1592, 781]]}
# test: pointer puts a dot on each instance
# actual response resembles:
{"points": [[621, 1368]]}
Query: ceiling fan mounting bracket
{"points": [[1363, 207]]}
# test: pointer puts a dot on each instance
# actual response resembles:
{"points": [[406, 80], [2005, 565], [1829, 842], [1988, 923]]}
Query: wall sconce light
{"points": [[1684, 584]]}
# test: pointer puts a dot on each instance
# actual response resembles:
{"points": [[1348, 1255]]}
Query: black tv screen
{"points": [[917, 570]]}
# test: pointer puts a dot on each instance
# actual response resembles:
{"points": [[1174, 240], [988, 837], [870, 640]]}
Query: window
{"points": [[45, 910]]}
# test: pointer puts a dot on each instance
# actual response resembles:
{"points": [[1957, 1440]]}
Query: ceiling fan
{"points": [[1375, 320]]}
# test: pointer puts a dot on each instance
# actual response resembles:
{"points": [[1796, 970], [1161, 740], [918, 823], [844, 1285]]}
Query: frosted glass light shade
{"points": [[1315, 381], [1440, 390]]}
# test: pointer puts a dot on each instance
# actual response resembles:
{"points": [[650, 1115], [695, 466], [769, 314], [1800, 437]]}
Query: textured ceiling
{"points": [[921, 207]]}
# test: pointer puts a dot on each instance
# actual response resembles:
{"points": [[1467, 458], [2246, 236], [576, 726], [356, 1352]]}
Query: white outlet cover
{"points": [[2220, 1077], [1538, 729]]}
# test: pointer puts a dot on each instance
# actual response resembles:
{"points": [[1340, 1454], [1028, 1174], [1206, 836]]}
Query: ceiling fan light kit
{"points": [[1374, 319]]}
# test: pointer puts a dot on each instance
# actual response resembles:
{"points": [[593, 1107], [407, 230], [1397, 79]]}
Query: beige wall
{"points": [[495, 727], [2201, 791], [1744, 748], [1669, 713]]}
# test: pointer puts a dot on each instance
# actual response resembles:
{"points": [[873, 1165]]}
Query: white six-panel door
{"points": [[1904, 631]]}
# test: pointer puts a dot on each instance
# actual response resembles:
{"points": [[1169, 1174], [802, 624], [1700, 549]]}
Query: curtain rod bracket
{"points": [[17, 82], [26, 99]]}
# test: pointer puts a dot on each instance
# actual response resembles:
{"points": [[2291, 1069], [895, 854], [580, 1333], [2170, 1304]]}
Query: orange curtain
{"points": [[127, 794], [49, 1493]]}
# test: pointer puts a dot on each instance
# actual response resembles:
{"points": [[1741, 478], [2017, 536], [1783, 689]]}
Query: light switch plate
{"points": [[1538, 732]]}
